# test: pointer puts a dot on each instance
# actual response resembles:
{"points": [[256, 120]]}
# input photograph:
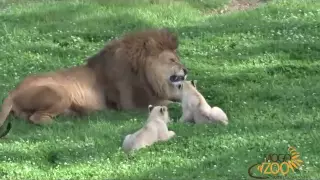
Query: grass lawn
{"points": [[262, 66]]}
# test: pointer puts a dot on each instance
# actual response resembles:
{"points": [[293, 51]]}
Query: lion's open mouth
{"points": [[175, 78]]}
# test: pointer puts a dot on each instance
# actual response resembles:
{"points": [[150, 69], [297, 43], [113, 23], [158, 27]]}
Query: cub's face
{"points": [[186, 85], [185, 89], [159, 111]]}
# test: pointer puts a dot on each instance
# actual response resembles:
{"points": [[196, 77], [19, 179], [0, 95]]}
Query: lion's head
{"points": [[164, 72], [147, 60], [162, 67]]}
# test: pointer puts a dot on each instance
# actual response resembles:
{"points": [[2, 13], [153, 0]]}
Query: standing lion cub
{"points": [[195, 108], [154, 130]]}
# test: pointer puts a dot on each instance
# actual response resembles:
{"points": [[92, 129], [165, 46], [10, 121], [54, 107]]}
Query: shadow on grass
{"points": [[97, 29], [44, 15], [207, 4], [92, 30], [64, 22]]}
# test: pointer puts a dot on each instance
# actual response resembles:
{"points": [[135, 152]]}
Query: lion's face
{"points": [[171, 68], [164, 73]]}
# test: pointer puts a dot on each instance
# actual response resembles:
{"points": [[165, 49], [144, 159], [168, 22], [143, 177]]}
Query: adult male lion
{"points": [[131, 72]]}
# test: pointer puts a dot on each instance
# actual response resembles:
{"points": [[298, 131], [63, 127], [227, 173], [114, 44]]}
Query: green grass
{"points": [[261, 66]]}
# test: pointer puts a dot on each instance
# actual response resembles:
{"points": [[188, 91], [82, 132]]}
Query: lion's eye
{"points": [[172, 60]]}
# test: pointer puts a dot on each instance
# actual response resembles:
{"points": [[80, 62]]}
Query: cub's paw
{"points": [[171, 134]]}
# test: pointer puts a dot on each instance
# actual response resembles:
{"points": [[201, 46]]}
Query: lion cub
{"points": [[196, 109], [154, 130]]}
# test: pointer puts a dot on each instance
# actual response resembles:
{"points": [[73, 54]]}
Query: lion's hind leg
{"points": [[55, 102], [20, 114], [45, 102]]}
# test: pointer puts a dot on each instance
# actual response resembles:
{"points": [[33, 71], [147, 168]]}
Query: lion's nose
{"points": [[185, 71]]}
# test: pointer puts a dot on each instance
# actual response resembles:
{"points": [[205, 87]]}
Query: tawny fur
{"points": [[136, 68], [153, 131], [128, 73], [195, 107], [39, 98]]}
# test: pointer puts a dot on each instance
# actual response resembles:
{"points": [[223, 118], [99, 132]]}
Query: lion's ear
{"points": [[150, 44], [172, 39], [150, 107], [165, 30], [194, 83]]}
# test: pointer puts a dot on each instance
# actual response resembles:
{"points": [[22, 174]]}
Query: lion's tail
{"points": [[5, 111]]}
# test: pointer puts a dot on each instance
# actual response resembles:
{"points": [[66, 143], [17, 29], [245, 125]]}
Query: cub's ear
{"points": [[163, 109], [194, 83], [185, 77], [150, 107]]}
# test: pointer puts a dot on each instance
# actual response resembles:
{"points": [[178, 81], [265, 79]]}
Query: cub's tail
{"points": [[217, 114], [5, 111], [127, 143]]}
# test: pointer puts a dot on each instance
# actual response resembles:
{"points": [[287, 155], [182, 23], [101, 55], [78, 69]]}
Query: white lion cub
{"points": [[154, 130], [196, 109]]}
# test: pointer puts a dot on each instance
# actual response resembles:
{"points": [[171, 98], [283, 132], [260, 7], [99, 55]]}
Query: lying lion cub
{"points": [[196, 109], [154, 130]]}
